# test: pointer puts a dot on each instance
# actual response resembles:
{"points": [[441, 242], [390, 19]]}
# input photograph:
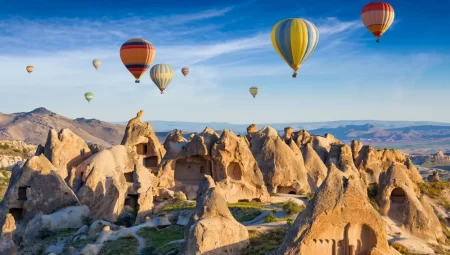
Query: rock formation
{"points": [[315, 166], [433, 177], [401, 201], [282, 169], [64, 150], [36, 188], [143, 147], [227, 159], [339, 220], [212, 229], [7, 245], [236, 171], [102, 181]]}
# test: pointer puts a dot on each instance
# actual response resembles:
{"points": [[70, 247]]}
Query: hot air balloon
{"points": [[377, 17], [97, 63], [137, 55], [161, 75], [30, 69], [295, 40], [89, 96], [185, 71], [254, 91]]}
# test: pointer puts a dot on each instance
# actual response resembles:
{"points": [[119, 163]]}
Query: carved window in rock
{"points": [[151, 161], [190, 171], [17, 213], [129, 177], [132, 201], [22, 192], [234, 171], [142, 149]]}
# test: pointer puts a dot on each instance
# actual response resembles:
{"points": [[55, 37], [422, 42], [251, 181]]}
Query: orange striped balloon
{"points": [[185, 71], [137, 55], [377, 17]]}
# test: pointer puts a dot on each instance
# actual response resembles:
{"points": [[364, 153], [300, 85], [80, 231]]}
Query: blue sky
{"points": [[227, 46]]}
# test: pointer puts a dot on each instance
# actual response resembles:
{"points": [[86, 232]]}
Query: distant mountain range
{"points": [[161, 125], [410, 136]]}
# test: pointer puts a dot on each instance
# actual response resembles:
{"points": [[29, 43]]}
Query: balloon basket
{"points": [[137, 81], [294, 75], [378, 40]]}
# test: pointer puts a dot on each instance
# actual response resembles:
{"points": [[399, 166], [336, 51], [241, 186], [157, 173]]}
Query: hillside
{"points": [[32, 127]]}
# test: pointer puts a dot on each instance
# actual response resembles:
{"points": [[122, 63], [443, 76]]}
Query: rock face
{"points": [[65, 150], [143, 147], [283, 170], [236, 171], [227, 159], [7, 161], [401, 201], [372, 162], [36, 188], [433, 177], [212, 229], [315, 166], [101, 184], [7, 245], [339, 220]]}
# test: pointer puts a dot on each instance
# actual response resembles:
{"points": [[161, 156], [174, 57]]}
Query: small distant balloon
{"points": [[295, 40], [30, 69], [161, 75], [89, 96], [377, 17], [185, 71], [137, 55], [97, 63], [254, 91]]}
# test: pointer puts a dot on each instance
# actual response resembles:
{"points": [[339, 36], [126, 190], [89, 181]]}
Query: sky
{"points": [[227, 46]]}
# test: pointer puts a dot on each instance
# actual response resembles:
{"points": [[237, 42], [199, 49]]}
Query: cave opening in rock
{"points": [[129, 177], [286, 190], [132, 201], [234, 171], [397, 206], [151, 161], [22, 193], [142, 149], [17, 213], [191, 170]]}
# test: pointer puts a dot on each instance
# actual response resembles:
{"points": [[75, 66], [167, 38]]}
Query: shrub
{"points": [[290, 222], [292, 208], [309, 196], [44, 233], [270, 218], [125, 219]]}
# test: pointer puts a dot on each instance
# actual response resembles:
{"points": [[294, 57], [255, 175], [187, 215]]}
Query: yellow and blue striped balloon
{"points": [[161, 75], [295, 40]]}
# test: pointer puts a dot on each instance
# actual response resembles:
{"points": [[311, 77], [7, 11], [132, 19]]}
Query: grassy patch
{"points": [[81, 243], [156, 239], [263, 242], [179, 205], [433, 189], [126, 245], [253, 205], [245, 214]]}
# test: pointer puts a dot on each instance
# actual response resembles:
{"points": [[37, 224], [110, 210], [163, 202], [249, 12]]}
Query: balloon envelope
{"points": [[161, 75], [185, 71], [137, 55], [377, 17], [30, 69], [89, 96], [254, 91], [96, 63], [295, 40]]}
